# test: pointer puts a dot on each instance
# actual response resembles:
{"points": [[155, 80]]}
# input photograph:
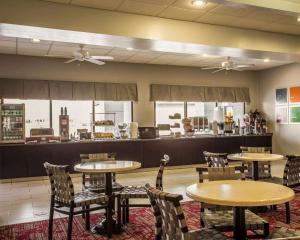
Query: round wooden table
{"points": [[107, 167], [240, 195], [255, 158]]}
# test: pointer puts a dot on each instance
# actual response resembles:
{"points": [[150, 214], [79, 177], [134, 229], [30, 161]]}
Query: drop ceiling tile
{"points": [[121, 53], [98, 51], [65, 44], [265, 15], [186, 4], [219, 19], [28, 41], [166, 58], [181, 13], [32, 52], [232, 11], [7, 47], [59, 1], [138, 7], [120, 58], [157, 2], [8, 44], [290, 20], [23, 46], [11, 39], [290, 29], [101, 4]]}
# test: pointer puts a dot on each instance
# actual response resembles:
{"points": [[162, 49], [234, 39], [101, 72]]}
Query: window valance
{"points": [[183, 93], [67, 90]]}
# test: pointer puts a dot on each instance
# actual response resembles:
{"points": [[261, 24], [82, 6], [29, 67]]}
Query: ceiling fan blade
{"points": [[95, 61], [102, 57], [71, 60], [209, 68], [219, 70]]}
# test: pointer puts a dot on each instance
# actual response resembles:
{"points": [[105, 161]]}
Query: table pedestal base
{"points": [[101, 228], [239, 223]]}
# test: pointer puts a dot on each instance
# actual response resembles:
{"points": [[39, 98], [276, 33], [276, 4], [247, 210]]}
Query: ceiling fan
{"points": [[228, 65], [83, 55]]}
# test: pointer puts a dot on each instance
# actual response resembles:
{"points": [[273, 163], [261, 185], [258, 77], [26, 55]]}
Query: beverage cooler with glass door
{"points": [[12, 123]]}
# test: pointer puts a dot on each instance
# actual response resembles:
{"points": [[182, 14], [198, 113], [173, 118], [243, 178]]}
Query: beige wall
{"points": [[286, 138], [12, 66]]}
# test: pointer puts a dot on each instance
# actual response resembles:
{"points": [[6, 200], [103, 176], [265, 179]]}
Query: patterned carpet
{"points": [[141, 226]]}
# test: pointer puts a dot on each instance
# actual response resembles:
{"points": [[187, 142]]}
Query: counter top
{"points": [[136, 140]]}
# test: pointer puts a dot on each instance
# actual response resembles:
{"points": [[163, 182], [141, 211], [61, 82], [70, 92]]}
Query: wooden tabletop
{"points": [[238, 193], [250, 157], [107, 166]]}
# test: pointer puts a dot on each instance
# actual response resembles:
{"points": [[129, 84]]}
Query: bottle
{"points": [[66, 113], [61, 111]]}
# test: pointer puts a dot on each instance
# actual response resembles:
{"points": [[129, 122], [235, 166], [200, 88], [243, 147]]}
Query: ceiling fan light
{"points": [[199, 3]]}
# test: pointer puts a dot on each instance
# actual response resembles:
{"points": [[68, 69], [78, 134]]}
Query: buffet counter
{"points": [[26, 160]]}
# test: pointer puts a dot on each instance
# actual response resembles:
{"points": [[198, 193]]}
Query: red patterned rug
{"points": [[141, 224]]}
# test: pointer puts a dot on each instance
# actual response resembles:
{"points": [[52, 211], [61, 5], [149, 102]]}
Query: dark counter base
{"points": [[27, 160]]}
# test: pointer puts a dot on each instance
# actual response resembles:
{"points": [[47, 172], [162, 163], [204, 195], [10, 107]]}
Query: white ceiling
{"points": [[21, 46], [233, 15]]}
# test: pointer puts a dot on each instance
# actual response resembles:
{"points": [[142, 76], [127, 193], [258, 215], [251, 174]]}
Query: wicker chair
{"points": [[170, 221], [136, 192], [95, 182], [291, 179], [221, 217], [264, 168], [64, 200], [282, 233], [215, 159]]}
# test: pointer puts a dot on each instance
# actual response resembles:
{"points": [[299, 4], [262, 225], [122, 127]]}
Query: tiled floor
{"points": [[29, 201]]}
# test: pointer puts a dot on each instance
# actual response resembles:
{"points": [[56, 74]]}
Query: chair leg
{"points": [[70, 223], [119, 212], [123, 211], [287, 213], [127, 210], [83, 214], [50, 227], [87, 218], [201, 221]]}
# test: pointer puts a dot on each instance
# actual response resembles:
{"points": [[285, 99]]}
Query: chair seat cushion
{"points": [[284, 233], [133, 192], [97, 188], [207, 234], [87, 198], [223, 220]]}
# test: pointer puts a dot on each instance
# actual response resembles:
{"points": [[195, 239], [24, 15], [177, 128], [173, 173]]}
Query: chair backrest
{"points": [[62, 188], [221, 173], [264, 168], [159, 177], [96, 179], [96, 157], [256, 149], [169, 217], [291, 175], [215, 159]]}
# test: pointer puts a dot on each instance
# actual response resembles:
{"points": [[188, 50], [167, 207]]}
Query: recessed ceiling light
{"points": [[35, 40], [298, 19], [129, 48], [204, 55], [266, 60], [199, 3]]}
